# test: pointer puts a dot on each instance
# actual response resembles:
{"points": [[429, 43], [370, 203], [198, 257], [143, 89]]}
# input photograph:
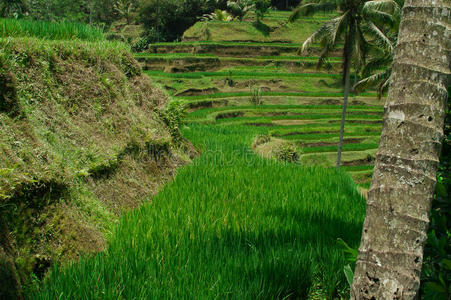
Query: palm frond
{"points": [[360, 47], [320, 35], [324, 55], [379, 37], [376, 64], [383, 87], [381, 5], [311, 8], [337, 26], [375, 79]]}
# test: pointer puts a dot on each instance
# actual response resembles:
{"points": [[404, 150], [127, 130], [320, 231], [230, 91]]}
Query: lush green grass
{"points": [[346, 147], [284, 131], [49, 30], [328, 136], [232, 225], [246, 74], [248, 31], [233, 44], [208, 55], [309, 110], [358, 168], [248, 94]]}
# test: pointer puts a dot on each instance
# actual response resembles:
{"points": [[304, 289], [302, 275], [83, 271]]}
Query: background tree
{"points": [[174, 16], [12, 8], [125, 9], [357, 21], [377, 69], [397, 214], [239, 8], [261, 7], [284, 4]]}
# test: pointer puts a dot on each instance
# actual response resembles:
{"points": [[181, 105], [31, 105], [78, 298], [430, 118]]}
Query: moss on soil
{"points": [[79, 124]]}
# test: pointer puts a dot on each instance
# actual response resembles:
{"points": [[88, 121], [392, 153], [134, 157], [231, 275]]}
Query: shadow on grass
{"points": [[262, 27]]}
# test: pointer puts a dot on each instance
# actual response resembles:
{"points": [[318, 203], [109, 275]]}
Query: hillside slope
{"points": [[220, 76], [82, 138]]}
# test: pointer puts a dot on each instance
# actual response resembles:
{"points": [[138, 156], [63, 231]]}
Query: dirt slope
{"points": [[83, 137]]}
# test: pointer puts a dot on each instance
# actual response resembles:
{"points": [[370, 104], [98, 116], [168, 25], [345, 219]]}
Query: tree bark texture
{"points": [[347, 82], [399, 199]]}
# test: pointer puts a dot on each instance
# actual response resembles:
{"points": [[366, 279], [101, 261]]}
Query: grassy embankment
{"points": [[79, 124], [232, 225], [226, 68], [49, 30], [235, 225]]}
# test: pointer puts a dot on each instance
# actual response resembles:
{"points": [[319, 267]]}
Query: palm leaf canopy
{"points": [[359, 23]]}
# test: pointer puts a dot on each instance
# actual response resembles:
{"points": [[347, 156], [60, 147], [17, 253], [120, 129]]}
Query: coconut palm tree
{"points": [[239, 8], [377, 70], [9, 8], [218, 15], [399, 200], [376, 73], [357, 23]]}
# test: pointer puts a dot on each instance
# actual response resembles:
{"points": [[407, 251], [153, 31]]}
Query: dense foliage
{"points": [[170, 18], [284, 4], [231, 226], [436, 273], [49, 30]]}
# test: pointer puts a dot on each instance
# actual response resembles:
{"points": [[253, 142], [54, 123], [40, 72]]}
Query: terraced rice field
{"points": [[216, 78], [235, 225]]}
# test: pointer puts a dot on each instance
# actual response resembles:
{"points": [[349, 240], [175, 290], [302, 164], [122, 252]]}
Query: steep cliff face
{"points": [[83, 137]]}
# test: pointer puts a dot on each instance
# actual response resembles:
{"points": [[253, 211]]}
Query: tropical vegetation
{"points": [[216, 177]]}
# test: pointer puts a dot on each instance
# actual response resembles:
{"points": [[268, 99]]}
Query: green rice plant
{"points": [[49, 30], [288, 94], [248, 74], [346, 147], [286, 152], [358, 168], [226, 44], [179, 55], [256, 95], [231, 225]]}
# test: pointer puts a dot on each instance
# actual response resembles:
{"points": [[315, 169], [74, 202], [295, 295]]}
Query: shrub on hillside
{"points": [[286, 152], [261, 8], [172, 17], [260, 140]]}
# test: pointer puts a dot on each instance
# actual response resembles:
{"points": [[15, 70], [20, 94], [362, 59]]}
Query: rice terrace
{"points": [[213, 149]]}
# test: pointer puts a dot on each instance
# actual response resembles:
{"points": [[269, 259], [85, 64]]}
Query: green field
{"points": [[275, 29], [232, 225], [240, 223], [49, 30]]}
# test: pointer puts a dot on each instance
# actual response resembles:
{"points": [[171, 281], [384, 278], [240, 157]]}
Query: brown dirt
{"points": [[260, 124], [232, 50], [229, 115], [357, 162], [73, 167], [319, 144], [310, 132], [293, 122], [194, 92]]}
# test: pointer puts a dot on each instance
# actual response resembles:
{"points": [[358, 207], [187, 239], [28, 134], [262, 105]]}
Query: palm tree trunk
{"points": [[397, 214], [157, 21], [345, 105]]}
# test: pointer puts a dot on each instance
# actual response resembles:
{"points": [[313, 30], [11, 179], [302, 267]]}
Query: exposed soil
{"points": [[194, 92], [320, 144], [375, 122], [260, 124], [230, 115], [293, 122], [233, 50], [310, 132], [357, 162]]}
